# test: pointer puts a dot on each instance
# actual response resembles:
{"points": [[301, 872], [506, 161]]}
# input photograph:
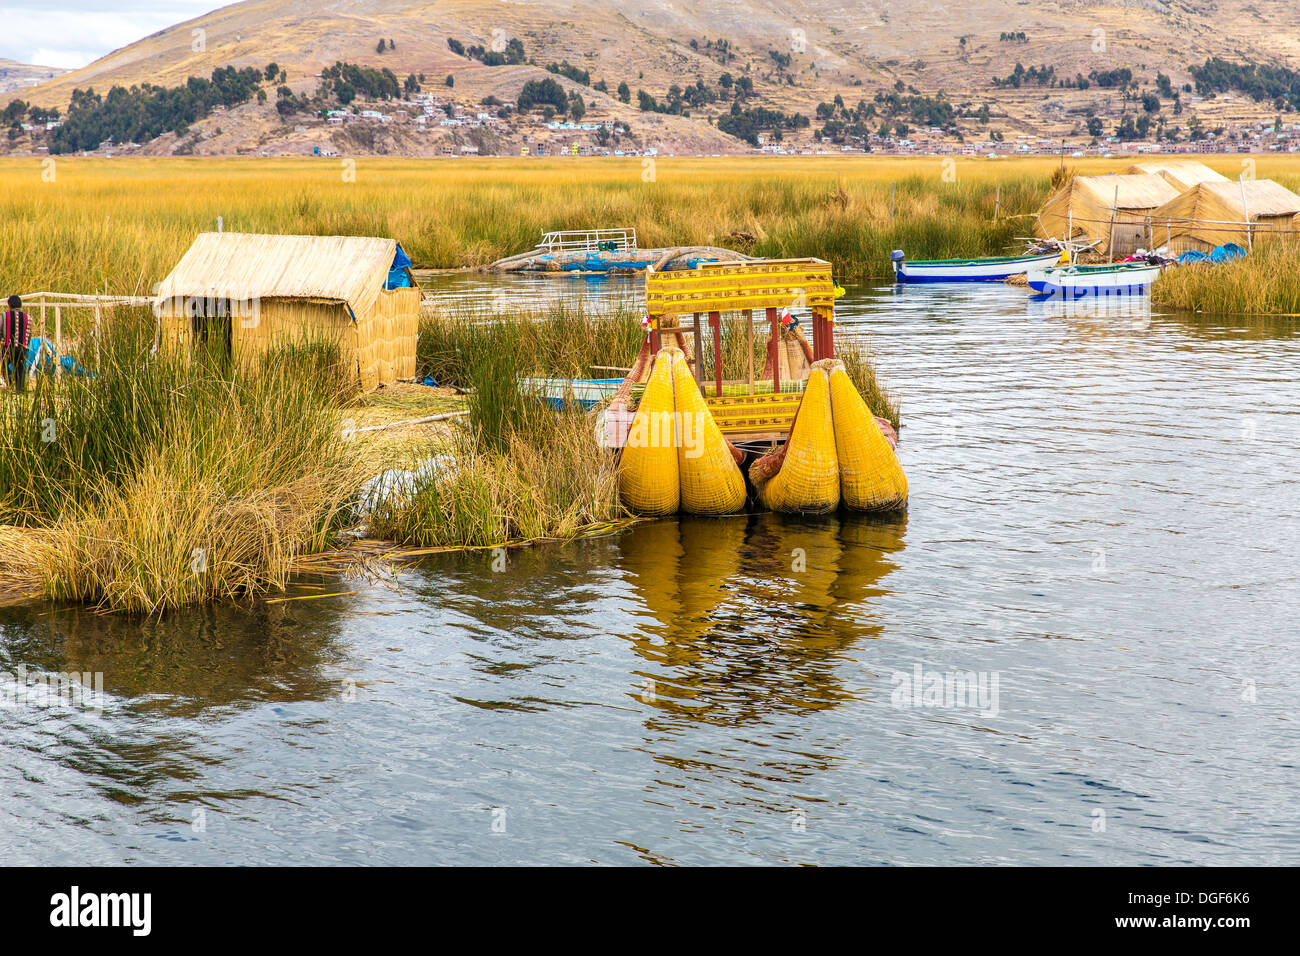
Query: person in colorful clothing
{"points": [[15, 333]]}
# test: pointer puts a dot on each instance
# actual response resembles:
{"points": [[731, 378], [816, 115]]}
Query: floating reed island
{"points": [[206, 453]]}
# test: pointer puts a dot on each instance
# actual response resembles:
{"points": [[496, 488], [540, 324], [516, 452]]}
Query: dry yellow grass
{"points": [[119, 225]]}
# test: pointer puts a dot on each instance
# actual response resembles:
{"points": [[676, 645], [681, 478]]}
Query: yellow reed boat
{"points": [[796, 437]]}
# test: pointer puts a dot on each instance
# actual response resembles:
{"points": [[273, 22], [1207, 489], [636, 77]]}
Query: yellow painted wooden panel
{"points": [[747, 285]]}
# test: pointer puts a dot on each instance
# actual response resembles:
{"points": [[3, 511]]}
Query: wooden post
{"points": [[828, 333], [1250, 245], [997, 204], [715, 322], [58, 340], [655, 342], [892, 187], [774, 320], [749, 348], [44, 337], [98, 315], [1114, 209], [699, 351]]}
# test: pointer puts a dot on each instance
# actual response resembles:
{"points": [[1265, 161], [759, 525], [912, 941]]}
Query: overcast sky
{"points": [[72, 33]]}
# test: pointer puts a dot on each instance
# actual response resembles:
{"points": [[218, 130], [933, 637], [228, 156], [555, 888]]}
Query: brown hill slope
{"points": [[16, 77], [835, 47]]}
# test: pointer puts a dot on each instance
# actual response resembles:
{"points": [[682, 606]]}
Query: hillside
{"points": [[16, 77], [796, 54]]}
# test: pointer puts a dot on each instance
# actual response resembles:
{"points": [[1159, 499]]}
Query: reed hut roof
{"points": [[349, 269], [1208, 210], [1182, 174], [1087, 203], [1231, 202]]}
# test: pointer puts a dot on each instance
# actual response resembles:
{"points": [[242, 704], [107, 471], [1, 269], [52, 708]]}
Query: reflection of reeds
{"points": [[1266, 282]]}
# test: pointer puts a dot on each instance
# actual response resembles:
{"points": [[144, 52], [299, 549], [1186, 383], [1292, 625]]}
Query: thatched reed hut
{"points": [[250, 292], [1182, 174], [1110, 209], [1213, 213]]}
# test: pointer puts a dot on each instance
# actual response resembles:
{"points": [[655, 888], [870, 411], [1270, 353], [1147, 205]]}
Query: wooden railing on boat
{"points": [[802, 285]]}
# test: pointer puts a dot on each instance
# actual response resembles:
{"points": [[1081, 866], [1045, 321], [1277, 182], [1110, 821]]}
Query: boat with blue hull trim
{"points": [[1074, 282], [993, 269]]}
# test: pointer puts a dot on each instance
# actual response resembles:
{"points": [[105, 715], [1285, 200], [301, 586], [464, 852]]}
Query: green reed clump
{"points": [[318, 357], [522, 470], [566, 340], [1265, 282], [495, 403], [542, 475], [172, 478]]}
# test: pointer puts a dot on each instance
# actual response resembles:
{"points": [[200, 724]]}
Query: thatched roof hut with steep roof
{"points": [[1110, 209], [1213, 213], [250, 292], [1182, 174]]}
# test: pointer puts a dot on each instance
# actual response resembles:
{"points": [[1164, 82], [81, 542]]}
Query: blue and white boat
{"points": [[995, 269], [1073, 282], [559, 393]]}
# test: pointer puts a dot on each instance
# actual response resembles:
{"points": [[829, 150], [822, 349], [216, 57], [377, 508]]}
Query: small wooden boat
{"points": [[1125, 278], [560, 393], [994, 269]]}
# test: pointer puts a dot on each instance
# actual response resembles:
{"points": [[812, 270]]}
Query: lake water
{"points": [[1102, 540]]}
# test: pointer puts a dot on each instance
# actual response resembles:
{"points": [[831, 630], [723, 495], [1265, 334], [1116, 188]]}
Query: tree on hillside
{"points": [[380, 48], [624, 92], [541, 93]]}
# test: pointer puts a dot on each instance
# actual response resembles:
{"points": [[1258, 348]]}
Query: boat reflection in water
{"points": [[751, 615], [1131, 311]]}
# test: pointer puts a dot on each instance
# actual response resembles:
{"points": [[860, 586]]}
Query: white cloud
{"points": [[72, 33], [63, 58]]}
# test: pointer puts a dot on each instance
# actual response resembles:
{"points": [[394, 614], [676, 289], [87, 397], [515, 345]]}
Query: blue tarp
{"points": [[42, 357], [397, 277], [1227, 252]]}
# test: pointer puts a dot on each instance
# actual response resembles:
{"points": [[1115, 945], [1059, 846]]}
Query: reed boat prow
{"points": [[800, 412]]}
